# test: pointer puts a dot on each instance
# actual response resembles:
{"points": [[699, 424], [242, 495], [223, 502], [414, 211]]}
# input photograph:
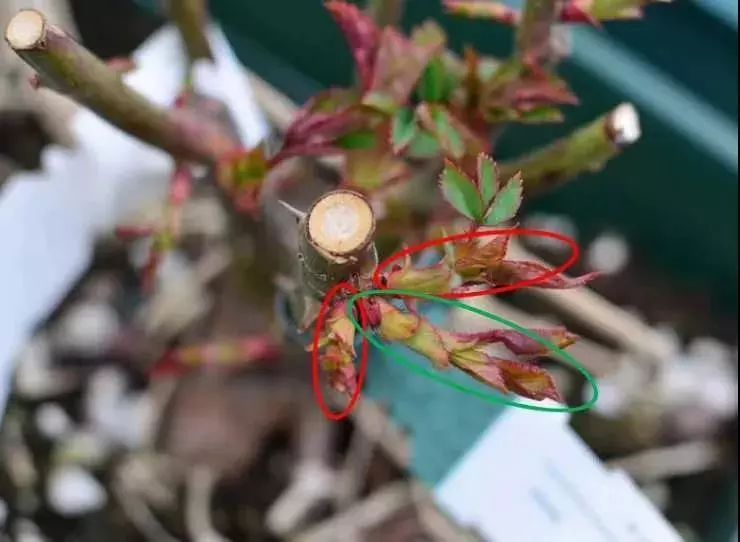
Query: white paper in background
{"points": [[49, 219], [641, 521], [530, 478]]}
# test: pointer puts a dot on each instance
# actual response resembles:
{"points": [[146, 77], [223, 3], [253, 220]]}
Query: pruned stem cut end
{"points": [[624, 125], [341, 223], [26, 30]]}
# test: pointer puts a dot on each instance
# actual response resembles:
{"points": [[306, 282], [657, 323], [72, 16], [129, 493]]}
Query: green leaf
{"points": [[404, 129], [506, 203], [365, 139], [441, 124], [460, 191], [423, 145], [448, 135], [487, 182], [434, 84]]}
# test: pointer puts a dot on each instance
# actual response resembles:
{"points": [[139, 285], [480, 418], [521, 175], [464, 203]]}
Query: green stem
{"points": [[69, 68], [191, 18], [587, 149]]}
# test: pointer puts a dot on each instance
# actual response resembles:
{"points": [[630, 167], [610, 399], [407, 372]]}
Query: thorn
{"points": [[299, 215], [310, 314]]}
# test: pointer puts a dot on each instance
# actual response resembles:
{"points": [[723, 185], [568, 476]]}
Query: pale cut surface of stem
{"points": [[336, 240], [587, 149], [67, 67]]}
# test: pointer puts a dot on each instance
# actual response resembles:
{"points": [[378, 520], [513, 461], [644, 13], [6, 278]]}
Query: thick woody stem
{"points": [[68, 68], [336, 241], [191, 17], [586, 149], [534, 32]]}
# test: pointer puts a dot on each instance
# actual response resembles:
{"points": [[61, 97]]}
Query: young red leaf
{"points": [[506, 202], [532, 94], [460, 192], [511, 271], [515, 90], [487, 373], [487, 178], [362, 35], [320, 122], [398, 67], [528, 380], [519, 343]]}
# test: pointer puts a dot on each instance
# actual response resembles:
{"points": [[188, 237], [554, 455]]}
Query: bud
{"points": [[340, 327], [427, 342], [433, 280], [528, 380], [472, 258], [396, 325], [242, 175]]}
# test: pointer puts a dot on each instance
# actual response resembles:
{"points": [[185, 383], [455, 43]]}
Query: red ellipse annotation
{"points": [[315, 369], [513, 232]]}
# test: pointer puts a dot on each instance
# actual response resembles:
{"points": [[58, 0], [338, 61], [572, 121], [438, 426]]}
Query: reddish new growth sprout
{"points": [[488, 201]]}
